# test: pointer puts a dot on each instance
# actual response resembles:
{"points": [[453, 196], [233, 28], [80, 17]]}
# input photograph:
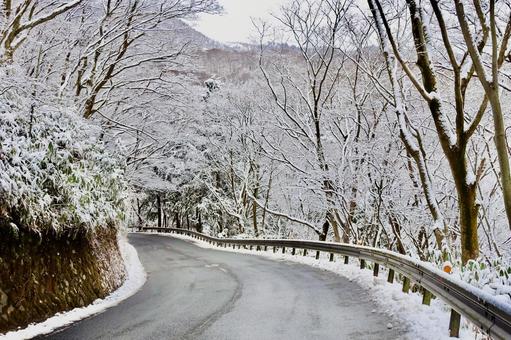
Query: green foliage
{"points": [[55, 173]]}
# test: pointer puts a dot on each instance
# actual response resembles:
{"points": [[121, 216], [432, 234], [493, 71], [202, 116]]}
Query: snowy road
{"points": [[197, 293]]}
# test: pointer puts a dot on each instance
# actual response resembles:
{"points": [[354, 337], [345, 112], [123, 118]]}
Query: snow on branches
{"points": [[54, 170]]}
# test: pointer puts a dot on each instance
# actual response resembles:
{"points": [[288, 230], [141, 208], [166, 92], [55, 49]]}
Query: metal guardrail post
{"points": [[362, 263], [390, 278], [331, 257], [317, 254], [406, 285], [346, 259], [376, 269], [454, 324], [426, 297]]}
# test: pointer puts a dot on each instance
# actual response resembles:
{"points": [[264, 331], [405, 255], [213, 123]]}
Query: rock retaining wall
{"points": [[43, 275]]}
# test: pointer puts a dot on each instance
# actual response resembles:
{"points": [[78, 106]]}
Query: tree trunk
{"points": [[199, 226], [468, 221], [351, 213], [502, 151], [396, 230], [254, 218], [266, 199], [158, 204], [254, 212], [178, 221], [332, 217], [323, 235], [139, 214]]}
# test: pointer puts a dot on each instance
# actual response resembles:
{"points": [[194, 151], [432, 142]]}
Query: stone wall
{"points": [[43, 275]]}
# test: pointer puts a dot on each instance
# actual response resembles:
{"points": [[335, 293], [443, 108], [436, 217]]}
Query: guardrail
{"points": [[481, 308]]}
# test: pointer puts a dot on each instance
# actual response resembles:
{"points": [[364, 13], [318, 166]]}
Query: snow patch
{"points": [[135, 279], [471, 178]]}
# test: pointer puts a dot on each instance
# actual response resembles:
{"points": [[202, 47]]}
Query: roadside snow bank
{"points": [[421, 322], [135, 279]]}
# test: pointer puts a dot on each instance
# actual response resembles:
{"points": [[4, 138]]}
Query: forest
{"points": [[381, 123]]}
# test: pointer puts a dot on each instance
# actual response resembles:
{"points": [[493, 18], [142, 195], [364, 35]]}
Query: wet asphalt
{"points": [[198, 293]]}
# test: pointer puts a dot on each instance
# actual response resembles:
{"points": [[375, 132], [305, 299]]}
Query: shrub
{"points": [[55, 172]]}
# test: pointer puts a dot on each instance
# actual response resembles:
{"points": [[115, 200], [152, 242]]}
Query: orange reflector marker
{"points": [[447, 267]]}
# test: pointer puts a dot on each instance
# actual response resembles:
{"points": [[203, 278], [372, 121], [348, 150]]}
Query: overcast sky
{"points": [[235, 23]]}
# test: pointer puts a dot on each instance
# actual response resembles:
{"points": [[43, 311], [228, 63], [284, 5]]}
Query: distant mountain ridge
{"points": [[186, 32]]}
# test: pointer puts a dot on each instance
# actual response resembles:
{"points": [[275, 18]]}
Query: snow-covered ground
{"points": [[421, 321], [135, 279]]}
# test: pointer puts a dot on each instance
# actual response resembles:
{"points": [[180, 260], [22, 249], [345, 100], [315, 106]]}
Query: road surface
{"points": [[197, 293]]}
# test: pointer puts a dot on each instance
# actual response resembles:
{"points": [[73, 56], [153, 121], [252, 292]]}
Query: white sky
{"points": [[235, 24]]}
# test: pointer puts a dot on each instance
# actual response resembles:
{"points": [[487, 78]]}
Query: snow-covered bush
{"points": [[491, 275], [55, 172]]}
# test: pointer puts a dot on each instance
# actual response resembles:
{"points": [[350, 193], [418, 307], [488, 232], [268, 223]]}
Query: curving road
{"points": [[197, 293]]}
